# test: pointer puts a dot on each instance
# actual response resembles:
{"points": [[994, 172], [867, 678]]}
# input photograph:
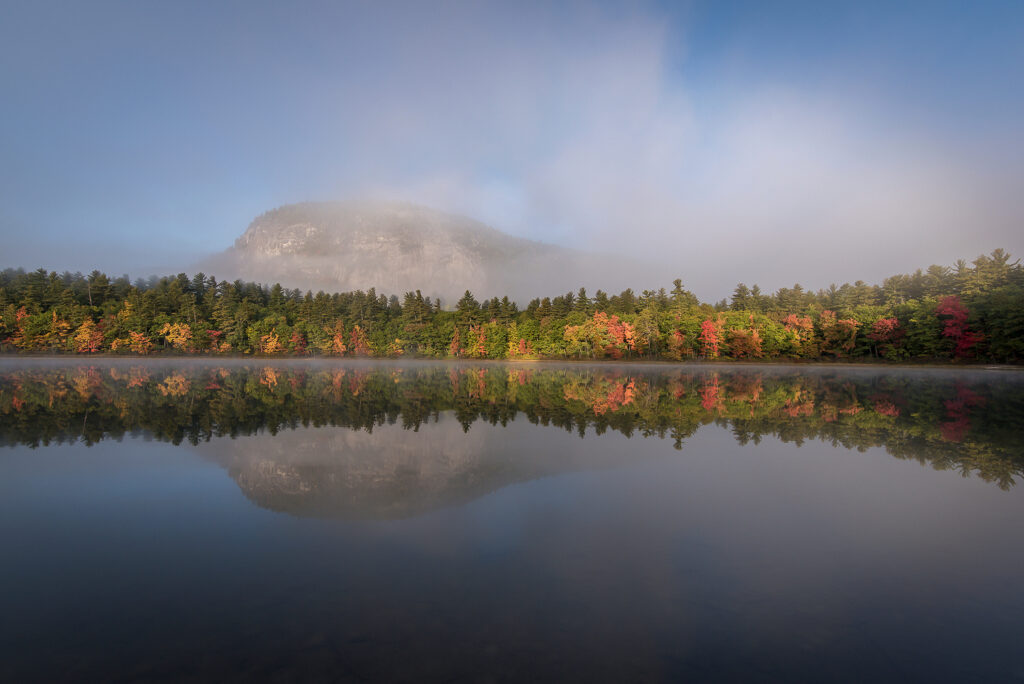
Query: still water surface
{"points": [[230, 520]]}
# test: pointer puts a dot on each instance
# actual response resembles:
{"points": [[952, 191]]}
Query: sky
{"points": [[763, 142]]}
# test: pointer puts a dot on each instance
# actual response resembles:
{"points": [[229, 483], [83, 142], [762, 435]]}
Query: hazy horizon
{"points": [[725, 142]]}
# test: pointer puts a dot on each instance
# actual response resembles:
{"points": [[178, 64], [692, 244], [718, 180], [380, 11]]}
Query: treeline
{"points": [[967, 311], [954, 422]]}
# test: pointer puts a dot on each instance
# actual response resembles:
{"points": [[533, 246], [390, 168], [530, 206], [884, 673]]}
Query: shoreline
{"points": [[644, 363]]}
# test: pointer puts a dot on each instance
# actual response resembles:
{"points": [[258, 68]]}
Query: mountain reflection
{"points": [[339, 473], [366, 461]]}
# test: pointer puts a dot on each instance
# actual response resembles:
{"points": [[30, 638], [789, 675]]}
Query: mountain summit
{"points": [[397, 247], [394, 247]]}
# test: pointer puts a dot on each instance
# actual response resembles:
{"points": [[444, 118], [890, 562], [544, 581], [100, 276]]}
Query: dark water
{"points": [[194, 521]]}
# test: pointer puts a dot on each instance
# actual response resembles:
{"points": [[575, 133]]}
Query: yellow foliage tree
{"points": [[179, 335], [271, 344], [174, 385], [88, 338], [395, 348], [57, 335]]}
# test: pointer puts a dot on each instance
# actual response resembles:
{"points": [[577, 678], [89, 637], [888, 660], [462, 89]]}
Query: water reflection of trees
{"points": [[943, 420]]}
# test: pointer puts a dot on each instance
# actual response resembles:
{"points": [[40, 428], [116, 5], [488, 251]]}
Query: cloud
{"points": [[607, 128], [599, 144]]}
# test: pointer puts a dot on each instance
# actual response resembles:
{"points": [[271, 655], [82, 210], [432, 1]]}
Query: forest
{"points": [[970, 311]]}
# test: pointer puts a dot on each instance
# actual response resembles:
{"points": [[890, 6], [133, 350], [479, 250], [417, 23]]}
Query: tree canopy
{"points": [[965, 311]]}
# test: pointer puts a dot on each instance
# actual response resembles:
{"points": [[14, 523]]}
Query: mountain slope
{"points": [[394, 247], [337, 472], [399, 247]]}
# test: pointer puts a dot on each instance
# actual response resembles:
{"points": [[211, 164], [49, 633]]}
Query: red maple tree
{"points": [[956, 329]]}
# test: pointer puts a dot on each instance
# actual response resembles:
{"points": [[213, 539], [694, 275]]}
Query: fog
{"points": [[715, 142]]}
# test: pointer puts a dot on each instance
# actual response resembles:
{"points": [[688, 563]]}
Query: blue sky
{"points": [[770, 142]]}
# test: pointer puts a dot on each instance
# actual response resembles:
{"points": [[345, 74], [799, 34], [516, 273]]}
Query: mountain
{"points": [[399, 247], [391, 473]]}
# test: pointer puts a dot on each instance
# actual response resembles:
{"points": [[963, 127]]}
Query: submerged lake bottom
{"points": [[415, 522]]}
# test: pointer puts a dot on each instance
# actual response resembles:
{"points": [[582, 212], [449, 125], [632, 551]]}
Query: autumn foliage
{"points": [[745, 343], [88, 338], [455, 346], [476, 342], [970, 311], [886, 333], [956, 329], [360, 345], [838, 335], [335, 341], [676, 347], [602, 335], [710, 338], [883, 410], [178, 335]]}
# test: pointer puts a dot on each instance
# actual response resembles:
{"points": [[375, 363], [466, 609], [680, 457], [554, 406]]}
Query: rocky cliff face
{"points": [[393, 247]]}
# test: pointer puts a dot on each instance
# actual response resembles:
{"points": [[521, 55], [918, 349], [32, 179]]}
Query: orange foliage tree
{"points": [[801, 334], [838, 335], [710, 338], [140, 343], [335, 342], [21, 338], [745, 344], [360, 343], [455, 347]]}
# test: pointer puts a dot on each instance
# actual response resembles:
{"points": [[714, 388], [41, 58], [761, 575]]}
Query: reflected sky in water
{"points": [[431, 522]]}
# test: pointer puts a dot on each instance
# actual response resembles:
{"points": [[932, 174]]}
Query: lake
{"points": [[221, 520]]}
